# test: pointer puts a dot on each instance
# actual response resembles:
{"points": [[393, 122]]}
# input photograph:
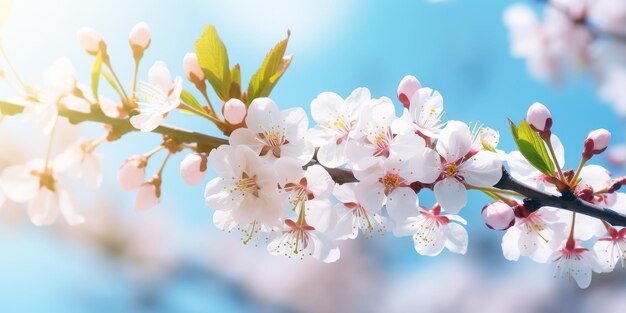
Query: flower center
{"points": [[299, 190], [248, 185], [46, 179], [381, 143], [451, 169], [273, 141], [391, 181]]}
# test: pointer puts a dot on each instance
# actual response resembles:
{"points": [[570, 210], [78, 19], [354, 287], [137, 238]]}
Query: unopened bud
{"points": [[498, 215], [140, 36], [597, 141], [407, 87], [539, 118], [89, 40], [132, 172], [234, 111], [585, 193], [192, 68], [193, 168], [148, 195]]}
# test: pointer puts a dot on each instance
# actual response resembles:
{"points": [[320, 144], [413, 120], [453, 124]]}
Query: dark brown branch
{"points": [[123, 126], [567, 201]]}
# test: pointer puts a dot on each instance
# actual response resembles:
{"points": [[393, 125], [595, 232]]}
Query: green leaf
{"points": [[95, 74], [235, 85], [532, 148], [191, 101], [213, 59], [274, 66], [5, 11]]}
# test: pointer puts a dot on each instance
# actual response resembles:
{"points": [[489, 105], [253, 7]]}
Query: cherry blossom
{"points": [[423, 115], [498, 215], [336, 120], [536, 235], [304, 240], [234, 111], [89, 40], [433, 231], [148, 195], [353, 217], [273, 134], [574, 261], [406, 88], [36, 184], [140, 36], [245, 185], [81, 160], [157, 98], [611, 249], [456, 168]]}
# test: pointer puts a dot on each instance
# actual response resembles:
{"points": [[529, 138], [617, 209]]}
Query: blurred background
{"points": [[173, 259]]}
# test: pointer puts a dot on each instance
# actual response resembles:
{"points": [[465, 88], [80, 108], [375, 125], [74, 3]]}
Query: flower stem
{"points": [[134, 91], [213, 119], [572, 183], [554, 158], [494, 190], [167, 157], [117, 80]]}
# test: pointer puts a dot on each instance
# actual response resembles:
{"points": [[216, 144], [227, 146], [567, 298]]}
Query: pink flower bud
{"points": [[234, 111], [596, 142], [407, 87], [192, 68], [132, 173], [89, 40], [148, 195], [539, 118], [498, 215], [140, 36], [193, 168]]}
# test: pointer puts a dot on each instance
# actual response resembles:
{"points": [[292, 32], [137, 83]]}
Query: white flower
{"points": [[353, 217], [157, 98], [483, 169], [433, 231], [375, 137], [611, 249], [39, 188], [273, 134], [245, 185], [80, 160], [336, 120], [536, 235], [310, 188], [132, 172], [387, 182], [574, 261], [424, 114], [304, 240]]}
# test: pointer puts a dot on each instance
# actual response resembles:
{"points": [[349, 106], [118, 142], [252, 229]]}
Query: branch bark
{"points": [[123, 126], [566, 201]]}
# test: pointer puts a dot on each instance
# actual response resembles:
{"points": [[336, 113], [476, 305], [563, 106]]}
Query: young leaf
{"points": [[95, 74], [213, 59], [532, 148], [274, 66], [191, 101], [235, 85]]}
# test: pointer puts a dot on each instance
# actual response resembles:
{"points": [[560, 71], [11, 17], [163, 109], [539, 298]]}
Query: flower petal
{"points": [[451, 195]]}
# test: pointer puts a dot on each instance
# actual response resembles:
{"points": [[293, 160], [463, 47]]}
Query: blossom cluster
{"points": [[298, 189]]}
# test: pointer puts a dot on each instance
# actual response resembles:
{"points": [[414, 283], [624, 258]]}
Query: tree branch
{"points": [[123, 126], [567, 201]]}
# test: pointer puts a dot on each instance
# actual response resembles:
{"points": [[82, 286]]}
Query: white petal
{"points": [[451, 195], [224, 220], [297, 123], [345, 193], [425, 167], [406, 146], [221, 161], [332, 155], [456, 238], [19, 184], [321, 215], [402, 203], [67, 208], [324, 249], [92, 170], [218, 195], [484, 169], [370, 195], [44, 208], [596, 176], [319, 181], [325, 107], [428, 239], [288, 170], [454, 141], [147, 120], [263, 115], [510, 246], [245, 137]]}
